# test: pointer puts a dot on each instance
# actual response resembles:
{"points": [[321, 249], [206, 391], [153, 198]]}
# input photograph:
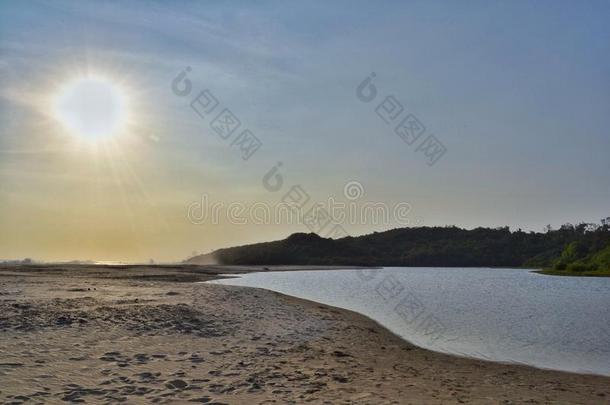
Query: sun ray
{"points": [[117, 152], [118, 181]]}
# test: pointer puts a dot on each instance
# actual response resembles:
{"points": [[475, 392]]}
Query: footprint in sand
{"points": [[176, 384]]}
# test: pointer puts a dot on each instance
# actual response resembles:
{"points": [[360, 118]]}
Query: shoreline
{"points": [[551, 272], [154, 336], [241, 269], [408, 342]]}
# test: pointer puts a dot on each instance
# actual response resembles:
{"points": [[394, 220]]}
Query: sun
{"points": [[92, 108]]}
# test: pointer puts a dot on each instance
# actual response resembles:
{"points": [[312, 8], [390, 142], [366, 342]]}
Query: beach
{"points": [[156, 334]]}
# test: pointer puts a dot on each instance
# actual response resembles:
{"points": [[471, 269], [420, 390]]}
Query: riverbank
{"points": [[567, 273], [144, 334]]}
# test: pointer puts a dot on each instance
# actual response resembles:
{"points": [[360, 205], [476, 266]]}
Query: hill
{"points": [[567, 248]]}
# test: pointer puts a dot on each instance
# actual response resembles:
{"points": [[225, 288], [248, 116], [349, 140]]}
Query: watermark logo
{"points": [[405, 304], [353, 190], [225, 124], [405, 125]]}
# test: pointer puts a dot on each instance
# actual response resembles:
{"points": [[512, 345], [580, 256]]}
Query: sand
{"points": [[140, 334]]}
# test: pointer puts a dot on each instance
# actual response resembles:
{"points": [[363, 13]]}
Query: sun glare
{"points": [[91, 108]]}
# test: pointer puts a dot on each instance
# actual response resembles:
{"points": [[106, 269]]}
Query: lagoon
{"points": [[506, 315]]}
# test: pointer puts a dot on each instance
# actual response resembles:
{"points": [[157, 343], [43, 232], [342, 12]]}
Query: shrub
{"points": [[580, 267]]}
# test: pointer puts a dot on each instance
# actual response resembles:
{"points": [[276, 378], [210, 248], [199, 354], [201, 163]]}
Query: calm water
{"points": [[509, 315]]}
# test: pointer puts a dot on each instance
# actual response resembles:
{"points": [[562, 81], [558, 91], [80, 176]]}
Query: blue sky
{"points": [[518, 92]]}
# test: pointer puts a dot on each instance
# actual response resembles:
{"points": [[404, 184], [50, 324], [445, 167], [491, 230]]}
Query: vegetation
{"points": [[586, 256], [582, 249]]}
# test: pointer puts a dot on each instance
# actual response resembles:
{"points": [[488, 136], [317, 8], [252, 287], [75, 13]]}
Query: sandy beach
{"points": [[140, 334]]}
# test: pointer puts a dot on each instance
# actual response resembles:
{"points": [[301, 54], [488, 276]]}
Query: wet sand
{"points": [[141, 334]]}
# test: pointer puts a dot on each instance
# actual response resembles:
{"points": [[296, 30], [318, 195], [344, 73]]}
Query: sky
{"points": [[517, 95]]}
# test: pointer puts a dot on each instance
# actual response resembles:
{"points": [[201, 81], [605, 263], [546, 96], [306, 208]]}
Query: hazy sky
{"points": [[517, 91]]}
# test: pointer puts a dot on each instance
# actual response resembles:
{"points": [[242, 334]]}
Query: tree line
{"points": [[584, 247]]}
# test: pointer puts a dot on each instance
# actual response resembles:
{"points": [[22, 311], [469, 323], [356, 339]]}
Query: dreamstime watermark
{"points": [[226, 124], [295, 205], [406, 126], [316, 218]]}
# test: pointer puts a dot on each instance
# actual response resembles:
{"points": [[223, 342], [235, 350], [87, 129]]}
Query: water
{"points": [[508, 315]]}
